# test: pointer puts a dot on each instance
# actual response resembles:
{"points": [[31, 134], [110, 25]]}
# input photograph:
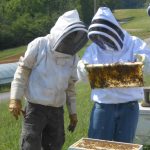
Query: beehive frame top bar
{"points": [[115, 75], [115, 64], [95, 144]]}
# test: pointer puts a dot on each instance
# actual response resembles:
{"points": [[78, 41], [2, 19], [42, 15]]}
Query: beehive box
{"points": [[143, 127], [115, 75], [95, 144]]}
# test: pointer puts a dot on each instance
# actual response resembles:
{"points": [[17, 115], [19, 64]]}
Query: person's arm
{"points": [[17, 90], [71, 105], [21, 76], [81, 67], [71, 98], [19, 82], [142, 54], [82, 73]]}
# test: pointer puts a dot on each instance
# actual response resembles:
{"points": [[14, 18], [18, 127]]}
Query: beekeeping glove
{"points": [[141, 58], [82, 72], [73, 122], [15, 108], [146, 62]]}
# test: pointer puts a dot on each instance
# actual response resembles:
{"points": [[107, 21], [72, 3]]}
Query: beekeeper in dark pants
{"points": [[115, 112], [46, 77]]}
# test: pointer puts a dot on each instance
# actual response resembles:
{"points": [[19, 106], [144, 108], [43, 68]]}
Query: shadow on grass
{"points": [[146, 147], [125, 20]]}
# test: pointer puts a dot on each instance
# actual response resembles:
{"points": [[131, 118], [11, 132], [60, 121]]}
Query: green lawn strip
{"points": [[11, 52], [5, 87], [136, 19]]}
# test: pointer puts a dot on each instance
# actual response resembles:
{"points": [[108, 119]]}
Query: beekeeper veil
{"points": [[105, 30], [69, 34]]}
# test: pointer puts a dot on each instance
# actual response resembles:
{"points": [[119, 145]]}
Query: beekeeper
{"points": [[115, 112], [46, 77]]}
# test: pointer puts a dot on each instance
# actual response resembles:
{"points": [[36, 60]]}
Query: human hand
{"points": [[140, 57], [73, 122], [15, 108], [83, 64]]}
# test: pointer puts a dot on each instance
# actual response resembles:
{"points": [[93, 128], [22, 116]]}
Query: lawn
{"points": [[135, 21], [11, 55], [10, 128]]}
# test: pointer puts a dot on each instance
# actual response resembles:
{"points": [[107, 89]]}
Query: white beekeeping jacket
{"points": [[45, 76]]}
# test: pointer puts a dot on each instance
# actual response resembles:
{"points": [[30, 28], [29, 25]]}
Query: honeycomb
{"points": [[115, 75]]}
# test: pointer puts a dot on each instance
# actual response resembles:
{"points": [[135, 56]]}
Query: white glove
{"points": [[81, 70], [146, 62], [141, 58]]}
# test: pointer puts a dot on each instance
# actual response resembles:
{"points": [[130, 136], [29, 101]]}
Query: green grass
{"points": [[137, 19], [11, 52], [5, 87], [84, 106], [9, 129]]}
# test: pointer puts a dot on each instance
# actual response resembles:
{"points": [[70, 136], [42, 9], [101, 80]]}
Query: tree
{"points": [[87, 10], [112, 4]]}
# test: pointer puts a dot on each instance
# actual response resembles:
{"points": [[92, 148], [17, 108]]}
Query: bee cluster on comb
{"points": [[115, 75]]}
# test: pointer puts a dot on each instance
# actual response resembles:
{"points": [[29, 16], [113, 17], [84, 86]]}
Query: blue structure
{"points": [[7, 72]]}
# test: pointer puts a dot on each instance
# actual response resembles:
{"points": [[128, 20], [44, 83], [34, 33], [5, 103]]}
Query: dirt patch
{"points": [[11, 59]]}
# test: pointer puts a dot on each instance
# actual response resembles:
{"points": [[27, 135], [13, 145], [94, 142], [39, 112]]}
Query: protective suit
{"points": [[46, 77], [112, 44]]}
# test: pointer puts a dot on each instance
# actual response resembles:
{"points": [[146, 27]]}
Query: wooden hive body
{"points": [[96, 144]]}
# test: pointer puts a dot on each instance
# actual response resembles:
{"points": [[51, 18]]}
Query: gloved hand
{"points": [[15, 108], [73, 122], [82, 71], [82, 65], [140, 57]]}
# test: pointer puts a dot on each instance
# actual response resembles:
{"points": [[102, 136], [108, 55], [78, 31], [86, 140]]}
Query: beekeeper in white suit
{"points": [[46, 77], [115, 112]]}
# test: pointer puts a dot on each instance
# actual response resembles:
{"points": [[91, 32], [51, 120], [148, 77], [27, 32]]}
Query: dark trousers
{"points": [[43, 128]]}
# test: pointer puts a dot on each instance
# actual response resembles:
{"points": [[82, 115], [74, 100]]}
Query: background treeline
{"points": [[23, 20]]}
